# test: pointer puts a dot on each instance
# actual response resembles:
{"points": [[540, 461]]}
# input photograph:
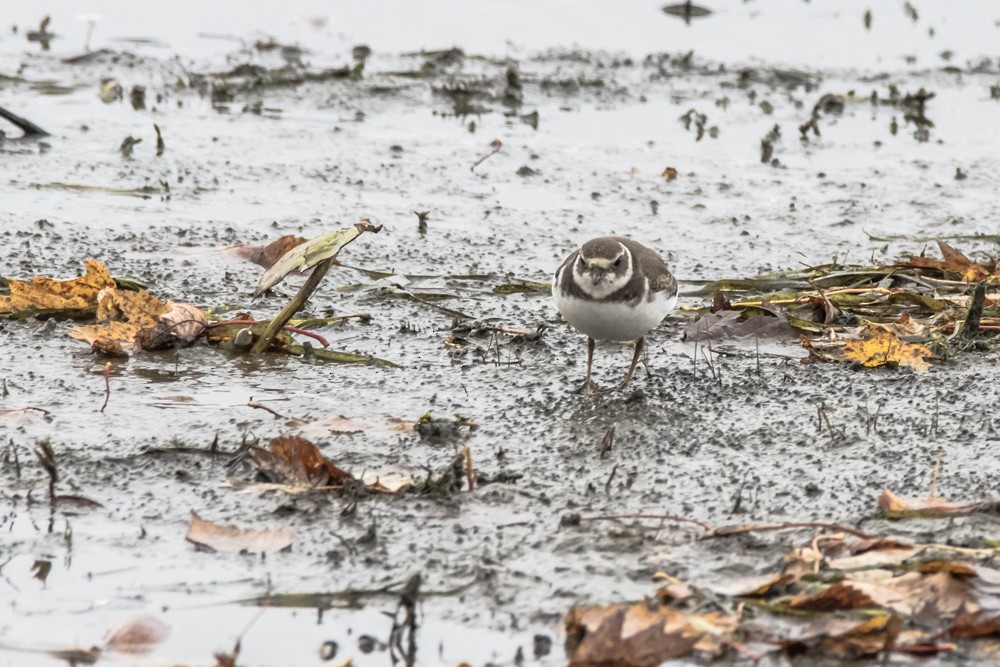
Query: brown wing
{"points": [[660, 278], [563, 276], [664, 283]]}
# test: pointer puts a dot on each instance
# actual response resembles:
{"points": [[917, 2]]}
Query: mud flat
{"points": [[487, 155]]}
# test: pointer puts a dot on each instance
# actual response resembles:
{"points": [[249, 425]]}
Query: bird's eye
{"points": [[618, 263]]}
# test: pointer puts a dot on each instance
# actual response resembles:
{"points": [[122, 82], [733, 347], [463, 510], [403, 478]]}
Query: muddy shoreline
{"points": [[263, 141]]}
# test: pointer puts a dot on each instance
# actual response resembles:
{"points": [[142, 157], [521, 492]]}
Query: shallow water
{"points": [[687, 442]]}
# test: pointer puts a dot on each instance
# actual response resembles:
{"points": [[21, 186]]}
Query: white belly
{"points": [[614, 321]]}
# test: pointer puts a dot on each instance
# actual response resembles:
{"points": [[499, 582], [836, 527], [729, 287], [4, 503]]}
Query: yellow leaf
{"points": [[883, 348], [47, 294]]}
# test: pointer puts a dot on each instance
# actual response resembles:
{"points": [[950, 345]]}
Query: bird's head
{"points": [[603, 266]]}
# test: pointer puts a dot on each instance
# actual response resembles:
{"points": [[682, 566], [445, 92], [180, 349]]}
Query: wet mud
{"points": [[265, 138]]}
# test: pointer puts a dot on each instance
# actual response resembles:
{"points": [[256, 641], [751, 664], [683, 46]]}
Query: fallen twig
{"points": [[497, 145], [261, 406], [661, 517], [25, 125], [304, 332], [470, 473], [311, 334], [755, 528]]}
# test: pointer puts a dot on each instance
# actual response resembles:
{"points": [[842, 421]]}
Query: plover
{"points": [[613, 288]]}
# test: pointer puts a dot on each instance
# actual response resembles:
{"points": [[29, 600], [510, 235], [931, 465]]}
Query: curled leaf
{"points": [[137, 635], [296, 461], [230, 539], [954, 261], [309, 254]]}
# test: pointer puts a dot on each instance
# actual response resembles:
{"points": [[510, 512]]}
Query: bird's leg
{"points": [[645, 362], [588, 386], [640, 345]]}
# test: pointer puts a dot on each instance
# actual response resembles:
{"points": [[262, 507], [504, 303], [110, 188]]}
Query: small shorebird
{"points": [[613, 288]]}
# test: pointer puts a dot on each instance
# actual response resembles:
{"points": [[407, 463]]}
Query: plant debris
{"points": [[904, 314], [267, 255], [44, 296], [303, 256], [297, 465], [883, 348], [230, 539], [137, 635], [838, 596], [297, 462], [130, 322]]}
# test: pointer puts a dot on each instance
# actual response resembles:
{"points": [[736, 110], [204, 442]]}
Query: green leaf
{"points": [[309, 254]]}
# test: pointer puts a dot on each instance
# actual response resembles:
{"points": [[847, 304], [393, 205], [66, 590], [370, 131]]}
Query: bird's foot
{"points": [[590, 389]]}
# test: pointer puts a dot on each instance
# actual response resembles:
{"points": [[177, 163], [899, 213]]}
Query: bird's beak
{"points": [[596, 275]]}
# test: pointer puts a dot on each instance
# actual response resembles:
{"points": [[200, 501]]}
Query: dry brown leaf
{"points": [[48, 294], [727, 324], [296, 461], [829, 634], [841, 596], [895, 507], [868, 638], [267, 255], [184, 322], [755, 587], [904, 326], [928, 600], [875, 558], [137, 635], [954, 261], [674, 591], [230, 539], [638, 635], [883, 348], [130, 322], [956, 568]]}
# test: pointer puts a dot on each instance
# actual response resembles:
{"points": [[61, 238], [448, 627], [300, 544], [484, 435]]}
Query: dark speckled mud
{"points": [[721, 443]]}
